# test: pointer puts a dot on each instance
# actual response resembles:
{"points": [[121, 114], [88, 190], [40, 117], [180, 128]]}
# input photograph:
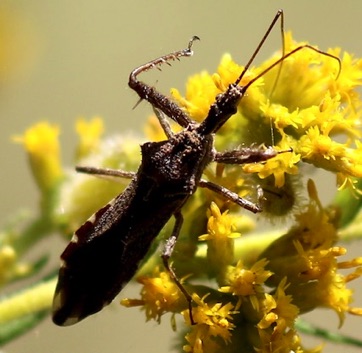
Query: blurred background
{"points": [[64, 59]]}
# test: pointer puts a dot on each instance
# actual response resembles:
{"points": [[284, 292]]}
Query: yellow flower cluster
{"points": [[312, 106], [307, 103], [253, 300], [89, 134], [10, 267], [42, 145], [160, 295], [213, 321]]}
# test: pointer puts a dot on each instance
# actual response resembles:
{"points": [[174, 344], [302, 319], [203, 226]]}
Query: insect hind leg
{"points": [[166, 254]]}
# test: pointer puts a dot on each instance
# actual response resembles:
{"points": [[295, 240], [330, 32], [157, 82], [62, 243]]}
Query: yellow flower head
{"points": [[42, 146], [279, 312], [220, 225], [307, 108], [276, 328], [308, 257], [10, 267], [213, 326], [89, 136], [306, 103], [245, 282], [220, 250], [159, 295], [314, 230], [284, 163], [321, 285]]}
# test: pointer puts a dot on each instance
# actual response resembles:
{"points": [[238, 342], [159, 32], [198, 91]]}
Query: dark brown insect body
{"points": [[105, 252]]}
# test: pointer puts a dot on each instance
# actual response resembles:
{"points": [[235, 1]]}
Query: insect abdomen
{"points": [[105, 251]]}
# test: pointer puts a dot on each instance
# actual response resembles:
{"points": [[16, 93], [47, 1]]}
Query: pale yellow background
{"points": [[85, 51]]}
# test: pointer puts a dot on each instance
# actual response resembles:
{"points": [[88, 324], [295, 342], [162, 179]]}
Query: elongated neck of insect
{"points": [[224, 107], [215, 121]]}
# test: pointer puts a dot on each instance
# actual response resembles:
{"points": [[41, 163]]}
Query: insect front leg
{"points": [[157, 99], [163, 122], [166, 254], [105, 172]]}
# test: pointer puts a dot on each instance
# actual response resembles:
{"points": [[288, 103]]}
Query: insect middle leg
{"points": [[241, 156], [231, 196]]}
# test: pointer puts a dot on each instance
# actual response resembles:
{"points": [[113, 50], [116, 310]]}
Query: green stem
{"points": [[310, 329], [28, 301], [36, 231], [353, 231], [348, 204], [15, 328]]}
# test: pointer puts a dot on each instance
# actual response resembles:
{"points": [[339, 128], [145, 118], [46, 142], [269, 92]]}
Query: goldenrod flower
{"points": [[279, 312], [244, 282], [159, 294], [308, 103], [10, 267], [276, 328], [213, 326], [200, 94], [278, 166], [220, 244], [257, 286], [42, 146], [89, 133], [306, 96]]}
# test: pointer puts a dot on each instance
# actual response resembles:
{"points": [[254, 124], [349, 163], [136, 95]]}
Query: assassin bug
{"points": [[105, 251]]}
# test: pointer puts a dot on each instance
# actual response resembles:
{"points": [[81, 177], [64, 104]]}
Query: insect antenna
{"points": [[226, 103], [279, 14], [280, 60]]}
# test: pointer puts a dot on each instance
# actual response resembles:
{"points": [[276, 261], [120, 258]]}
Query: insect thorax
{"points": [[178, 162]]}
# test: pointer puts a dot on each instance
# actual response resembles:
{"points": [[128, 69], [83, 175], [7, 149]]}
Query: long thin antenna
{"points": [[277, 62], [278, 75], [278, 15]]}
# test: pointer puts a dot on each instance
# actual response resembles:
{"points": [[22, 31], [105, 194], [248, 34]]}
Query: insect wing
{"points": [[93, 268]]}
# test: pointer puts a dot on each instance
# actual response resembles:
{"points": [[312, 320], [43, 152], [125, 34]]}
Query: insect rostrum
{"points": [[106, 250]]}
